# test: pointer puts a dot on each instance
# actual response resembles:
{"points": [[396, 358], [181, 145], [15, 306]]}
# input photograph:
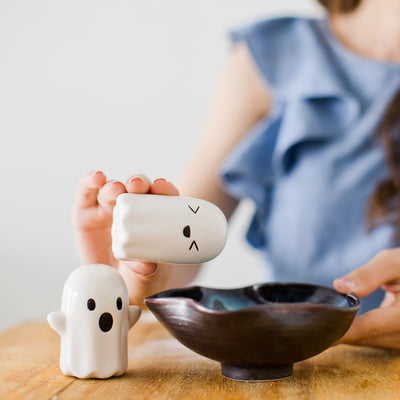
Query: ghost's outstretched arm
{"points": [[134, 314], [57, 321]]}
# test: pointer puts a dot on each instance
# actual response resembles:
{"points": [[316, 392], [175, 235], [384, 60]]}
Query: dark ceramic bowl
{"points": [[256, 332]]}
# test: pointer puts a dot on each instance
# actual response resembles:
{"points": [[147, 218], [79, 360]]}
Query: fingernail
{"points": [[136, 179], [97, 172], [160, 180], [348, 283]]}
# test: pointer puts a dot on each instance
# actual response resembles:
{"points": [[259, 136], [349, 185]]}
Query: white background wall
{"points": [[121, 86]]}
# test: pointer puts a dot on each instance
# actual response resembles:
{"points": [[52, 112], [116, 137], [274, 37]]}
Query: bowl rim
{"points": [[162, 299]]}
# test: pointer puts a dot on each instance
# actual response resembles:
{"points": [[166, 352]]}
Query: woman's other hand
{"points": [[379, 327]]}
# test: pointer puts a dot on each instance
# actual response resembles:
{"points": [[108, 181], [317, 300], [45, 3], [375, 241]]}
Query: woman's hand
{"points": [[92, 221], [379, 327]]}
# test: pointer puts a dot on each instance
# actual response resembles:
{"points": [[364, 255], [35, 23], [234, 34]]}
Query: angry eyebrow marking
{"points": [[197, 209]]}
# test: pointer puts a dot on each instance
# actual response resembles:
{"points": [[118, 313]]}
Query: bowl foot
{"points": [[256, 372]]}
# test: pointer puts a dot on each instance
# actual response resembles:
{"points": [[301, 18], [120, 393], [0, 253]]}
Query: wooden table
{"points": [[161, 368]]}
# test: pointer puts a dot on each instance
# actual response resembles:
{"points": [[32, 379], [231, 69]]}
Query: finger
{"points": [[388, 300], [88, 189], [138, 184], [162, 186], [144, 268], [374, 323], [108, 195], [393, 286], [141, 286], [389, 341], [383, 268]]}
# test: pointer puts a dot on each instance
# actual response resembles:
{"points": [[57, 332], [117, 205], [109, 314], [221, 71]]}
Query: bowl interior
{"points": [[263, 294]]}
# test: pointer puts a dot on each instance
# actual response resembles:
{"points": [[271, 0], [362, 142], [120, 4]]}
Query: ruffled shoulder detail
{"points": [[273, 147], [248, 172], [312, 106], [294, 57]]}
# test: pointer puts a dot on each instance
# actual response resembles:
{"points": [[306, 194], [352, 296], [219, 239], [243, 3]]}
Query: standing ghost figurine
{"points": [[93, 323]]}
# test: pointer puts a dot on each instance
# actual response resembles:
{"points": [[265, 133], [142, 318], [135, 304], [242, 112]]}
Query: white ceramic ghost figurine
{"points": [[93, 323], [171, 229]]}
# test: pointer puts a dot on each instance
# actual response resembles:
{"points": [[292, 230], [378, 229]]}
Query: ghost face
{"points": [[170, 229], [106, 319], [96, 308]]}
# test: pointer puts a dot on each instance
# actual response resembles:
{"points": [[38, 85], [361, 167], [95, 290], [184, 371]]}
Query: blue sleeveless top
{"points": [[311, 165]]}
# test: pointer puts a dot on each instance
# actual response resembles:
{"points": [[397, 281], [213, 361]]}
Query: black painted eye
{"points": [[119, 303], [186, 231], [91, 304]]}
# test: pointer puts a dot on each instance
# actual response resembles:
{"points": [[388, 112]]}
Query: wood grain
{"points": [[161, 368]]}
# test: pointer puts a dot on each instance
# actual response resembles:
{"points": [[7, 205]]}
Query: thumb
{"points": [[383, 268], [143, 279], [141, 268]]}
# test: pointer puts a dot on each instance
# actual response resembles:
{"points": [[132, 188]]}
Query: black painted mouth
{"points": [[106, 322]]}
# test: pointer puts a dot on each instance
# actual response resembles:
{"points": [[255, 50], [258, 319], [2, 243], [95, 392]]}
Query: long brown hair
{"points": [[340, 6], [384, 203]]}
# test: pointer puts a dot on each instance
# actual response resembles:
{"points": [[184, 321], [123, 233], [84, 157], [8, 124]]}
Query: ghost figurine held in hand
{"points": [[93, 323], [169, 229]]}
